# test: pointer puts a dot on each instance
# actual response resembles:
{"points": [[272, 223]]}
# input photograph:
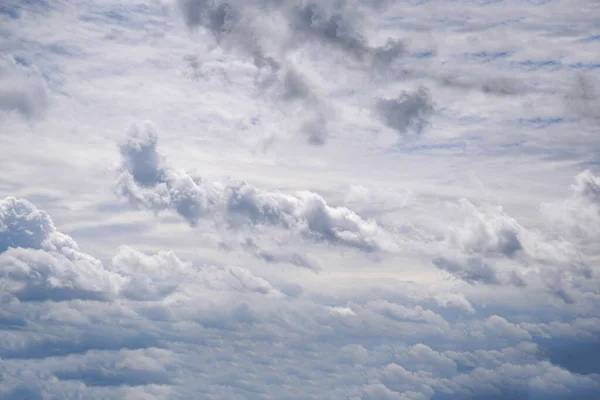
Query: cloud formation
{"points": [[22, 89], [147, 182], [173, 327], [409, 113], [423, 269], [578, 216], [248, 28]]}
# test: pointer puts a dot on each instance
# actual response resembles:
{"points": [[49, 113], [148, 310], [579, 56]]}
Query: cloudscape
{"points": [[298, 199]]}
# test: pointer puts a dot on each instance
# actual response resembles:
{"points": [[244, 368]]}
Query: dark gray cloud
{"points": [[22, 89], [312, 22], [471, 270], [316, 130], [194, 11], [24, 392], [140, 156], [409, 113], [236, 26], [583, 98], [274, 256], [148, 184], [384, 56]]}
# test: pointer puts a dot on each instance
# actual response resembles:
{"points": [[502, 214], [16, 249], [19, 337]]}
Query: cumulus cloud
{"points": [[38, 262], [488, 230], [484, 245], [22, 89], [409, 113], [103, 320], [578, 216], [149, 184], [174, 326]]}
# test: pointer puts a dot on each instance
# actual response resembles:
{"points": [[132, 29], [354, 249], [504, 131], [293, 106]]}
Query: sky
{"points": [[294, 199]]}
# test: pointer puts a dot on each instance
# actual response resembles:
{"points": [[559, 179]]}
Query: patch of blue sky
{"points": [[512, 145], [487, 57], [584, 66], [137, 16], [540, 122], [479, 27], [591, 38], [531, 148], [456, 147], [22, 61], [14, 9], [422, 54], [10, 11], [63, 50], [534, 65], [458, 118]]}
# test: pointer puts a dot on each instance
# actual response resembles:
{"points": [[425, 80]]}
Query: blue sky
{"points": [[281, 199]]}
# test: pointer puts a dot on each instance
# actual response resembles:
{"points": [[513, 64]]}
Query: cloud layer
{"points": [[343, 200]]}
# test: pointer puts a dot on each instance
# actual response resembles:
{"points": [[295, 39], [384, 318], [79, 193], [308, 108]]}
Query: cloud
{"points": [[39, 262], [583, 97], [156, 310], [22, 89], [274, 256], [310, 22], [578, 216], [408, 113], [484, 245], [472, 270], [490, 85], [175, 324], [488, 231], [272, 33], [587, 186], [149, 184]]}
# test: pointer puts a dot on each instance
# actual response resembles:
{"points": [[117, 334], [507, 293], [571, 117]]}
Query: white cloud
{"points": [[147, 183]]}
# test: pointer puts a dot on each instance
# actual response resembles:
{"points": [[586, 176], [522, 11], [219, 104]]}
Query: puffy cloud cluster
{"points": [[519, 320], [579, 215], [484, 245], [487, 231], [173, 328], [22, 89], [38, 262], [148, 182]]}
